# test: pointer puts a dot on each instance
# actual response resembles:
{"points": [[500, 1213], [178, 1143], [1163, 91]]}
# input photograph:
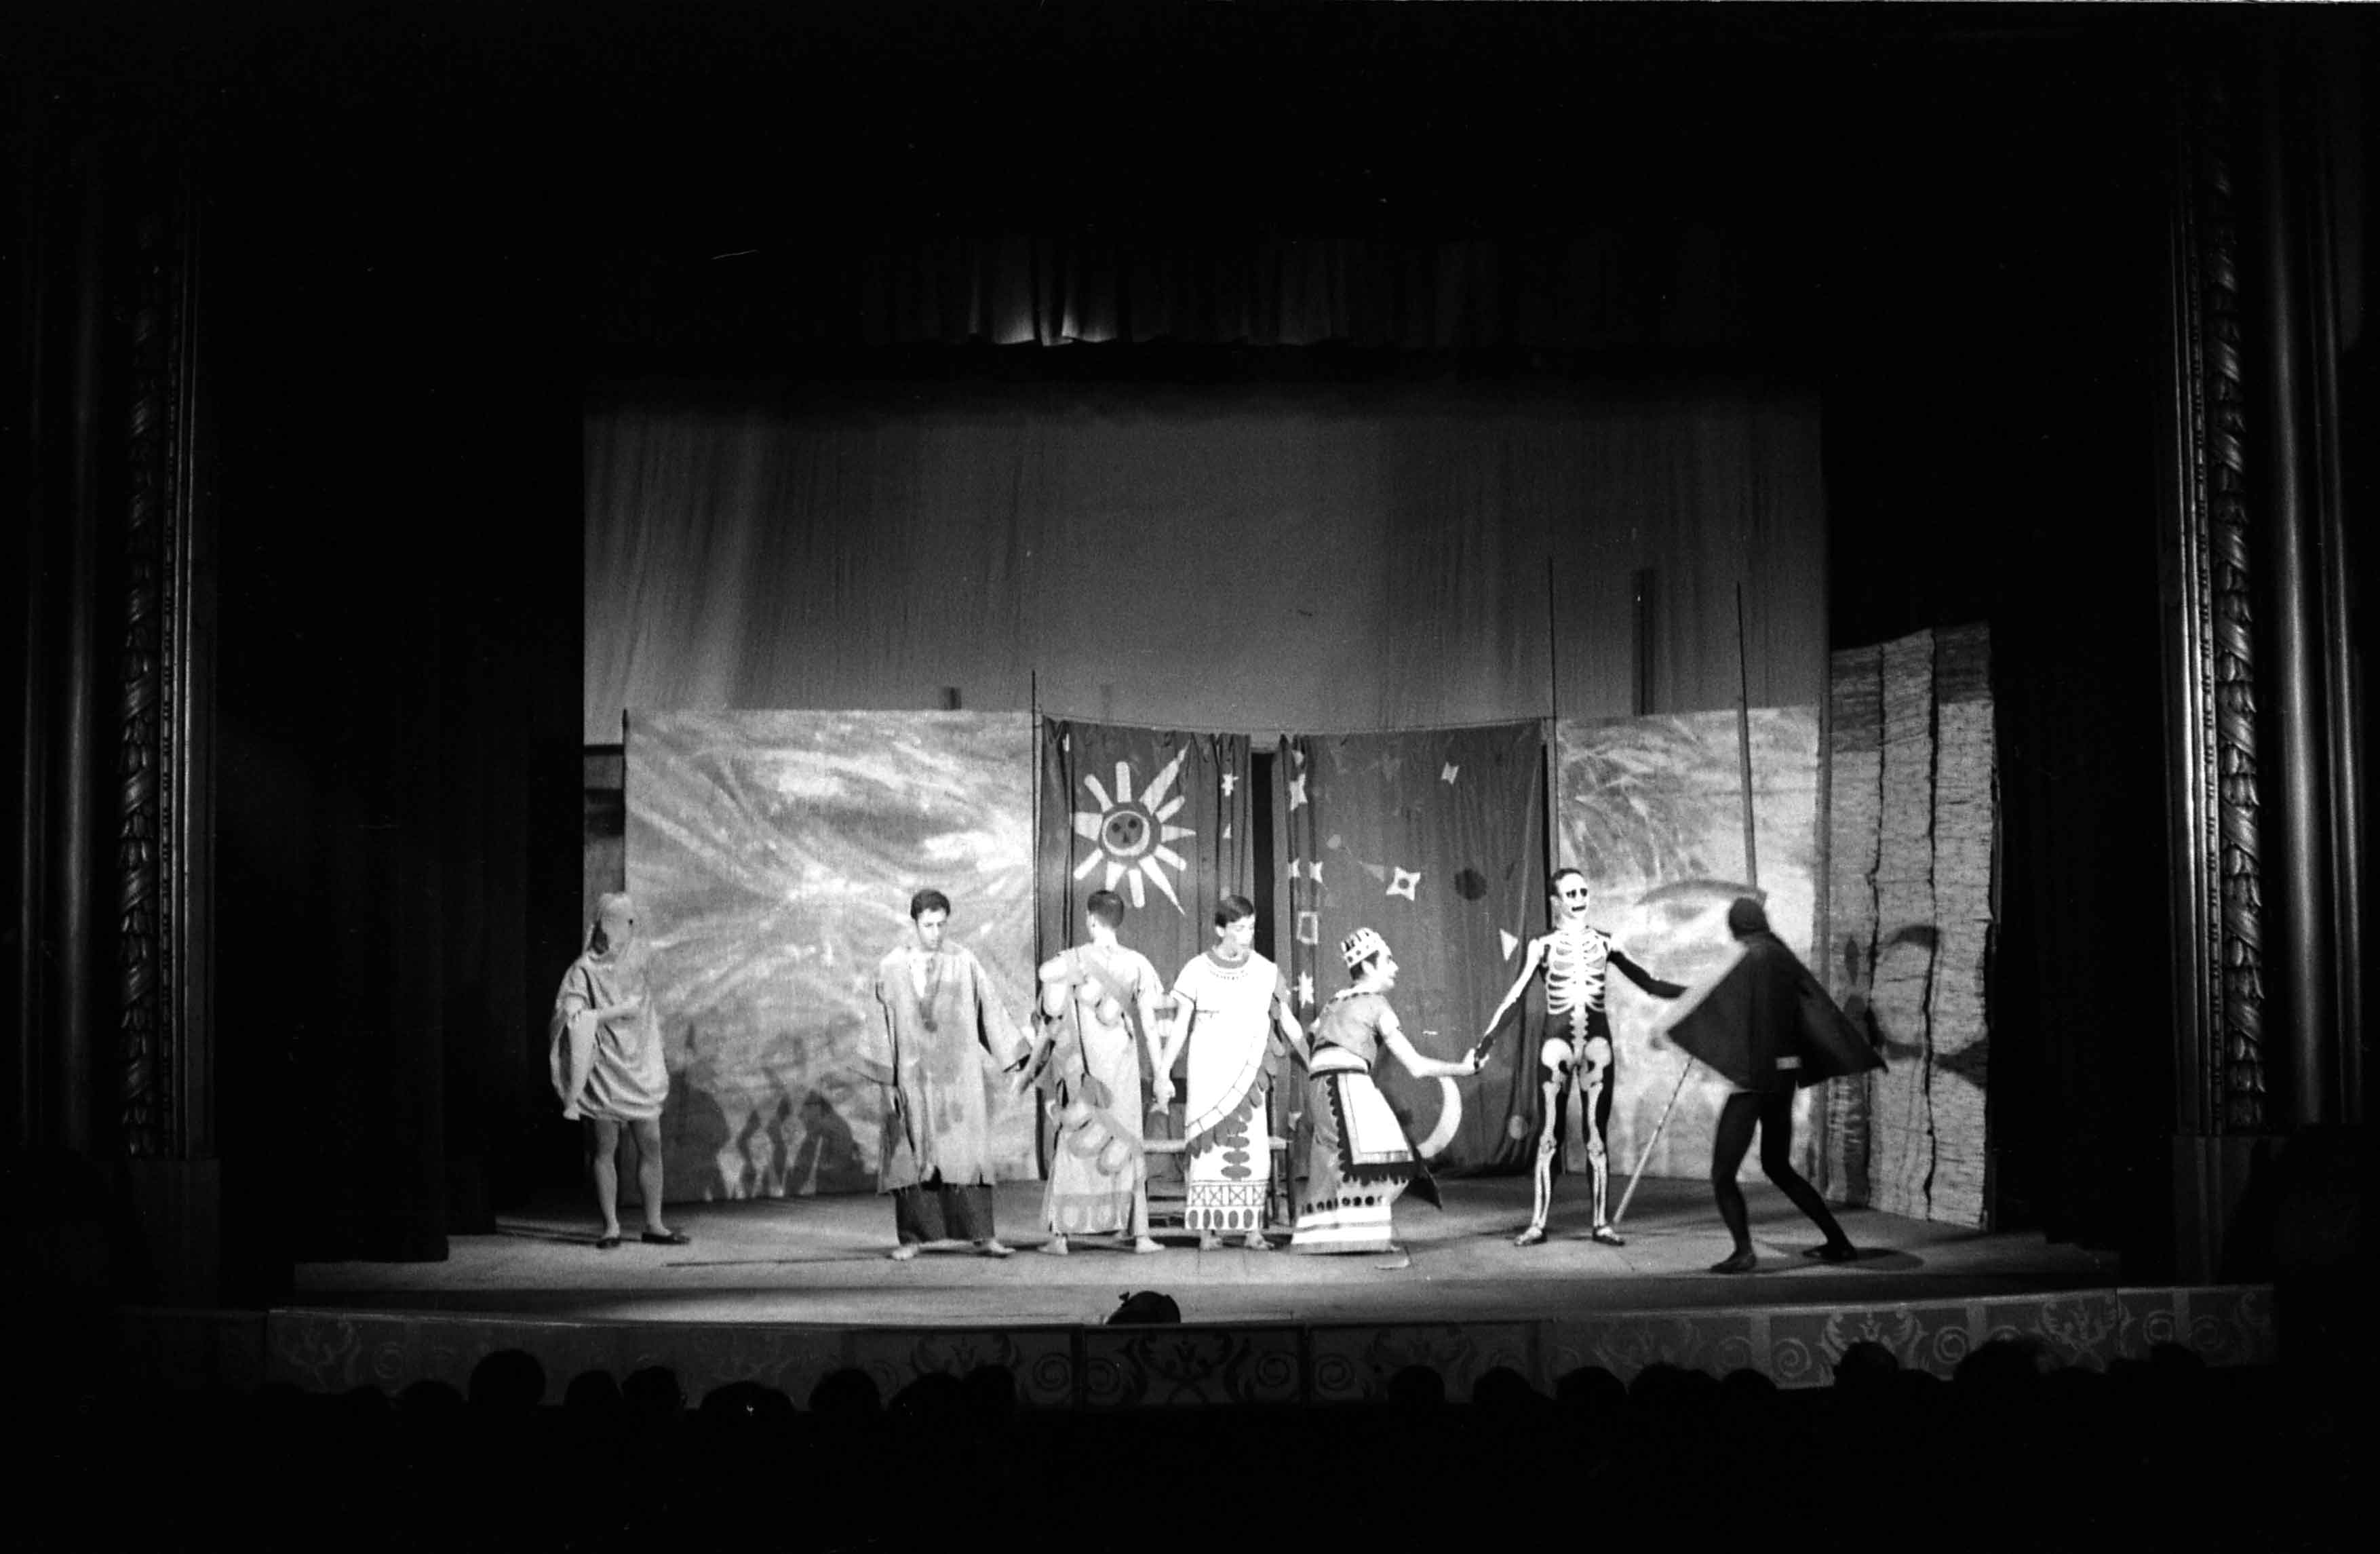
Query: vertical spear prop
{"points": [[1751, 877]]}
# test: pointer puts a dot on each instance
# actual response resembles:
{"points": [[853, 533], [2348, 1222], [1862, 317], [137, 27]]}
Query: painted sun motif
{"points": [[1133, 832]]}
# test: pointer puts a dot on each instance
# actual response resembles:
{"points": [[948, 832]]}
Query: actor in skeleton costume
{"points": [[1228, 1003], [1575, 1044]]}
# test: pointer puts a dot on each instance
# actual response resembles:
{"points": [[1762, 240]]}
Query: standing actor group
{"points": [[1764, 1023]]}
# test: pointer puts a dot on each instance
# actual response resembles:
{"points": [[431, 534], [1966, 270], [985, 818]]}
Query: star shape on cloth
{"points": [[1297, 790], [1305, 988], [1404, 883], [1448, 775], [1310, 928], [1230, 782]]}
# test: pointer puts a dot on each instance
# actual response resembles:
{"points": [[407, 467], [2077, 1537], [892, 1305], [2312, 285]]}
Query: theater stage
{"points": [[786, 1290]]}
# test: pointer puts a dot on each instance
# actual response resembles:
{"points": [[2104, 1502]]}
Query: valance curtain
{"points": [[1671, 284]]}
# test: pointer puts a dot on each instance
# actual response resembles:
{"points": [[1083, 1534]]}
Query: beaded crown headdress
{"points": [[1361, 946]]}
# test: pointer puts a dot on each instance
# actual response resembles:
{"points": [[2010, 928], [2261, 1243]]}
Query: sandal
{"points": [[668, 1238], [606, 1243]]}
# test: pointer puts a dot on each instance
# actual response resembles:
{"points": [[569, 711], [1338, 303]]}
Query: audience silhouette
{"points": [[2015, 1450]]}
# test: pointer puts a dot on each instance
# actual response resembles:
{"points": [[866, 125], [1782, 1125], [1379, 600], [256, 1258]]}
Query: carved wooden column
{"points": [[111, 1063], [2264, 716], [159, 1077], [2207, 584]]}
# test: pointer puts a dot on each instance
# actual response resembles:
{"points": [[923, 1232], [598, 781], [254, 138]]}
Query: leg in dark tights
{"points": [[1731, 1142], [1777, 1164]]}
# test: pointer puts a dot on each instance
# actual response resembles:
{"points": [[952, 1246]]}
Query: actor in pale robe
{"points": [[940, 1015], [1096, 1171], [1226, 1011]]}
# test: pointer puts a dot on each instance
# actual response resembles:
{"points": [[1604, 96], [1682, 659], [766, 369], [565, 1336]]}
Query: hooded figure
{"points": [[1766, 1025], [603, 1050], [604, 1042]]}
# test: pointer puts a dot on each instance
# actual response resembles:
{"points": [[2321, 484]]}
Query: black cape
{"points": [[1766, 1024]]}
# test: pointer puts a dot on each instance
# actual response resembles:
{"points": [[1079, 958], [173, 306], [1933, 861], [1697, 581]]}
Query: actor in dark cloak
{"points": [[1768, 1026]]}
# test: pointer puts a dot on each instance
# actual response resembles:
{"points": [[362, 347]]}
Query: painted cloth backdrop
{"points": [[1159, 818], [1652, 809], [772, 856], [1435, 839]]}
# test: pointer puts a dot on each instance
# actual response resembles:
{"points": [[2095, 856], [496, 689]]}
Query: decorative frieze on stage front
{"points": [[1097, 1368], [772, 856], [1913, 835], [1652, 809]]}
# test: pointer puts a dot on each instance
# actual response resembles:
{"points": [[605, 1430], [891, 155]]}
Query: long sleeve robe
{"points": [[939, 1127]]}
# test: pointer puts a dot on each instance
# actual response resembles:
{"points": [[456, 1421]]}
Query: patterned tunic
{"points": [[1354, 1160], [1095, 1099], [1225, 1129]]}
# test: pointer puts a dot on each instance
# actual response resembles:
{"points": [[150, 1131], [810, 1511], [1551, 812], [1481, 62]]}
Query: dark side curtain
{"points": [[396, 890], [1435, 839]]}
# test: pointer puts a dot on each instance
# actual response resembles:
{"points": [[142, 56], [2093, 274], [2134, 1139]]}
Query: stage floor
{"points": [[822, 1260]]}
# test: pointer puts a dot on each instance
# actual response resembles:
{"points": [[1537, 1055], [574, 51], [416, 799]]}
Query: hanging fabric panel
{"points": [[1161, 819], [1436, 840]]}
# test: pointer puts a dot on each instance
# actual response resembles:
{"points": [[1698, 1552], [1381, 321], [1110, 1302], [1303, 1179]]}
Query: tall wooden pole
{"points": [[1752, 877], [1553, 648], [1744, 743]]}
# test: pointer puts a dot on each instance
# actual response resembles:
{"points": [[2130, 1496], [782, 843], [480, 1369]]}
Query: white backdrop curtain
{"points": [[1263, 559]]}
